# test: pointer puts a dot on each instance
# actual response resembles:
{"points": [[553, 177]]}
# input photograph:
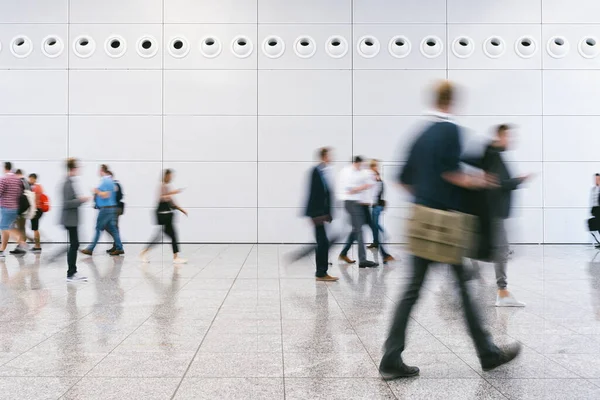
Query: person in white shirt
{"points": [[596, 197], [355, 187]]}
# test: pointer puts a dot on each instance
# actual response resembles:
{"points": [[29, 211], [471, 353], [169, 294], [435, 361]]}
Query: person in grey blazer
{"points": [[70, 219]]}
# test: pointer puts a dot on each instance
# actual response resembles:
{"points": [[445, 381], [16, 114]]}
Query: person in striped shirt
{"points": [[10, 193]]}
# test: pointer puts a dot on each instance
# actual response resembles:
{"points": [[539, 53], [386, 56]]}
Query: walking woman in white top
{"points": [[164, 217]]}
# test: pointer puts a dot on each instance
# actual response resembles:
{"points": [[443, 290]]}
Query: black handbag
{"points": [[164, 212]]}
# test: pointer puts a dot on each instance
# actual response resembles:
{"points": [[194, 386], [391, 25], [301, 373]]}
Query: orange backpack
{"points": [[44, 203]]}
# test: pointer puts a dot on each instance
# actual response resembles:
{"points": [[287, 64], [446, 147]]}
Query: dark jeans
{"points": [[394, 346], [169, 231], [358, 217], [107, 219], [322, 253], [73, 248], [119, 213], [377, 228]]}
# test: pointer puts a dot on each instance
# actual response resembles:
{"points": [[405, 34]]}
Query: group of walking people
{"points": [[433, 176], [108, 199]]}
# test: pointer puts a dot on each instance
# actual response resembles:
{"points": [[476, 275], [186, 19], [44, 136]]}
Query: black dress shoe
{"points": [[17, 251], [368, 264], [111, 250], [507, 355], [398, 371]]}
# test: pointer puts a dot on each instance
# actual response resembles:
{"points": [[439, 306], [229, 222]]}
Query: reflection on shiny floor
{"points": [[238, 322]]}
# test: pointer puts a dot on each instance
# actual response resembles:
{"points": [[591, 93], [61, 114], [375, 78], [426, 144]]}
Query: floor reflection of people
{"points": [[594, 271], [108, 308], [166, 309]]}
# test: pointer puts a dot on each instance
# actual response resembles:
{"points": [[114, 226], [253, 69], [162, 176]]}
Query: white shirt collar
{"points": [[437, 114]]}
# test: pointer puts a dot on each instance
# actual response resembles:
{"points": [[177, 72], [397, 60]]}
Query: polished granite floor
{"points": [[240, 322]]}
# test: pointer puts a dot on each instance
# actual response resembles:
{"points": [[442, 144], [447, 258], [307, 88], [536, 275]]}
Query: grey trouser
{"points": [[500, 251], [357, 217]]}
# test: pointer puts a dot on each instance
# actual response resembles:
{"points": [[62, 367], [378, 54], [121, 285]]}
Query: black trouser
{"points": [[322, 253], [169, 231], [358, 218], [394, 346], [73, 248]]}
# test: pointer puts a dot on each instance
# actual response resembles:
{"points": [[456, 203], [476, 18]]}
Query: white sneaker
{"points": [[144, 258], [76, 278], [179, 260], [508, 301]]}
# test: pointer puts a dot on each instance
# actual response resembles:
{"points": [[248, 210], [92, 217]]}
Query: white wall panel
{"points": [[304, 93], [408, 11], [290, 33], [116, 138], [401, 92], [115, 92], [116, 11], [566, 225], [33, 137], [130, 34], [571, 138], [36, 34], [218, 225], [201, 138], [224, 33], [568, 184], [307, 11], [394, 195], [415, 35], [34, 11], [241, 133], [284, 225], [491, 11], [570, 92], [575, 11], [526, 225], [298, 138], [396, 134], [33, 92], [499, 92], [210, 11], [215, 92], [215, 184], [140, 180], [394, 224], [508, 33]]}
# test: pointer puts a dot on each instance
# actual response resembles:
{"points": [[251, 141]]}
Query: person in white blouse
{"points": [[355, 190]]}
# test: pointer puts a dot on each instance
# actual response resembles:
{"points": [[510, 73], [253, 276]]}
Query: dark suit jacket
{"points": [[499, 199], [319, 198]]}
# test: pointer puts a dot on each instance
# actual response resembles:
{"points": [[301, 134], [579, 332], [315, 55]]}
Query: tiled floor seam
{"points": [[213, 319]]}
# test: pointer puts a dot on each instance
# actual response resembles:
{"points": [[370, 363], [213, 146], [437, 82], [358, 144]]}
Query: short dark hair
{"points": [[357, 159], [18, 172], [71, 164], [34, 176], [323, 151], [8, 166], [597, 174], [502, 129]]}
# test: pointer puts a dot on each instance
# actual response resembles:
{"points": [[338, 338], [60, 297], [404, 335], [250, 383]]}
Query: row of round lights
{"points": [[305, 46]]}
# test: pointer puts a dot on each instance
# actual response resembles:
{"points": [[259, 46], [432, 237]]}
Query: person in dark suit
{"points": [[318, 208], [70, 219], [496, 205]]}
